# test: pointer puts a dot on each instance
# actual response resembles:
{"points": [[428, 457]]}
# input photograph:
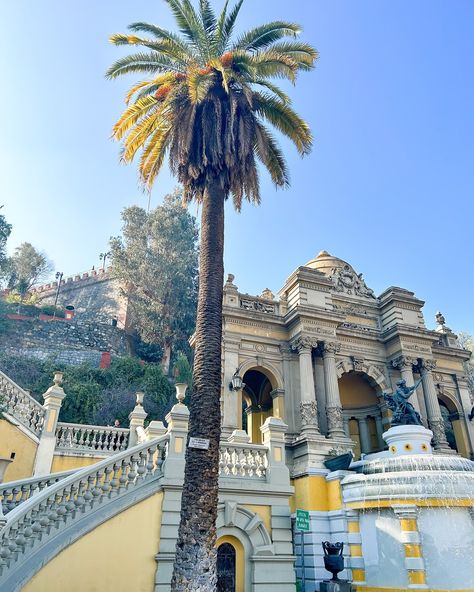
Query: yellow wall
{"points": [[265, 513], [67, 463], [311, 493], [356, 392], [239, 560], [118, 555], [12, 439]]}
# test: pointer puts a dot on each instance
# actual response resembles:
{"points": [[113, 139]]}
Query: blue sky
{"points": [[389, 185]]}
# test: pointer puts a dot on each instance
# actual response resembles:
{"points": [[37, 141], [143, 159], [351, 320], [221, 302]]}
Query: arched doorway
{"points": [[362, 413], [257, 403], [226, 568]]}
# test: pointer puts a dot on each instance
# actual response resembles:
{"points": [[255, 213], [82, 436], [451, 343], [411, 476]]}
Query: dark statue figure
{"points": [[333, 559], [403, 411]]}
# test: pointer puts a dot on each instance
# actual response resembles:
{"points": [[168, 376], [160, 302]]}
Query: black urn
{"points": [[333, 559]]}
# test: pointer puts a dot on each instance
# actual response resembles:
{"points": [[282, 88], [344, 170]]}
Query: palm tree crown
{"points": [[207, 100]]}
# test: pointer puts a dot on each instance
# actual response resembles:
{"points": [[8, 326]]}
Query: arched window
{"points": [[226, 568]]}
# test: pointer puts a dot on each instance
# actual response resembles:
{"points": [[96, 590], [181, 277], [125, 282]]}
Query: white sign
{"points": [[200, 443]]}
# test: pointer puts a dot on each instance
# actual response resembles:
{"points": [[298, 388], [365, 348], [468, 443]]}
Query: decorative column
{"points": [[137, 421], [333, 400], [53, 399], [178, 424], [405, 366], [410, 537], [435, 419], [273, 435], [278, 398], [379, 428], [364, 435], [308, 405], [231, 400]]}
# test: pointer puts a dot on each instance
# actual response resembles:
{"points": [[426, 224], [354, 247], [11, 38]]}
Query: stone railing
{"points": [[246, 461], [57, 508], [258, 304], [90, 438], [21, 405], [16, 492]]}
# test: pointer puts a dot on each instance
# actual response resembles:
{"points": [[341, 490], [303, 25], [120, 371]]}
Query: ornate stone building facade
{"points": [[321, 355]]}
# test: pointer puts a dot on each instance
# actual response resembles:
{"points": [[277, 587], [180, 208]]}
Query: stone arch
{"points": [[376, 377], [233, 520], [269, 370], [449, 399]]}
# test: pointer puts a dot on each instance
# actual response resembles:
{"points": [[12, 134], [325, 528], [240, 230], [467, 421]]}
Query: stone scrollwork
{"points": [[305, 342], [258, 305], [309, 413], [347, 280], [403, 362], [428, 365], [331, 348], [335, 421]]}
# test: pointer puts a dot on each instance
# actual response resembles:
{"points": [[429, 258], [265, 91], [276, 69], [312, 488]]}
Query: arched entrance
{"points": [[257, 403], [361, 411], [226, 568]]}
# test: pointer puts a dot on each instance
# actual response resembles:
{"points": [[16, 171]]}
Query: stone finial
{"points": [[268, 294], [230, 278], [139, 398], [440, 320], [58, 378]]}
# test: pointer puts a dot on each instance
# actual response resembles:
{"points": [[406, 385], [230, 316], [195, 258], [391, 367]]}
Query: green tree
{"points": [[205, 105], [27, 267], [157, 260], [5, 230]]}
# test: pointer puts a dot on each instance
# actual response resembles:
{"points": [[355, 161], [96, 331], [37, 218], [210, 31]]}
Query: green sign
{"points": [[302, 520]]}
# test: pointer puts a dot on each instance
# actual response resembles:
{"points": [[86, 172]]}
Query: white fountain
{"points": [[416, 514]]}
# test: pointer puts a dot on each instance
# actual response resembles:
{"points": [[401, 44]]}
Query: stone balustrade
{"points": [[74, 436], [56, 508], [256, 304], [16, 492], [245, 461], [21, 405]]}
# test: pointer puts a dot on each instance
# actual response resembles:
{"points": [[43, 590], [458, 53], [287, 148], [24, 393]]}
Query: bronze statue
{"points": [[403, 411]]}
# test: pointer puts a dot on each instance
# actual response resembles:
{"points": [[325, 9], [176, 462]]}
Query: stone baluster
{"points": [[137, 420], [53, 398], [364, 435], [333, 400], [404, 364], [308, 405], [435, 419]]}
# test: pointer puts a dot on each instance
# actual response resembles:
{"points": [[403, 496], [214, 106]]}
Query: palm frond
{"points": [[143, 62], [271, 156], [228, 27], [153, 157], [208, 17], [198, 85], [219, 32], [188, 22], [164, 46], [273, 65], [284, 98], [132, 114], [287, 121], [263, 36], [303, 54]]}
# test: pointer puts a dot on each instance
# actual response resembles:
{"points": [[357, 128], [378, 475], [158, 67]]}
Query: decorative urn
{"points": [[333, 559]]}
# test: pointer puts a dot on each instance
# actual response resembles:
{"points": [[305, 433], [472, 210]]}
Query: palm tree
{"points": [[205, 105]]}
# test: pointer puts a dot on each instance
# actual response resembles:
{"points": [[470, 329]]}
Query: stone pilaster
{"points": [[356, 560], [53, 399], [308, 405], [435, 419], [410, 538], [333, 400], [231, 400], [137, 420]]}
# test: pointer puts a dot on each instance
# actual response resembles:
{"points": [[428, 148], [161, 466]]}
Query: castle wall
{"points": [[71, 342]]}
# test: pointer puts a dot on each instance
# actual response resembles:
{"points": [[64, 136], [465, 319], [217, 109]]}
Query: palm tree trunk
{"points": [[195, 562]]}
